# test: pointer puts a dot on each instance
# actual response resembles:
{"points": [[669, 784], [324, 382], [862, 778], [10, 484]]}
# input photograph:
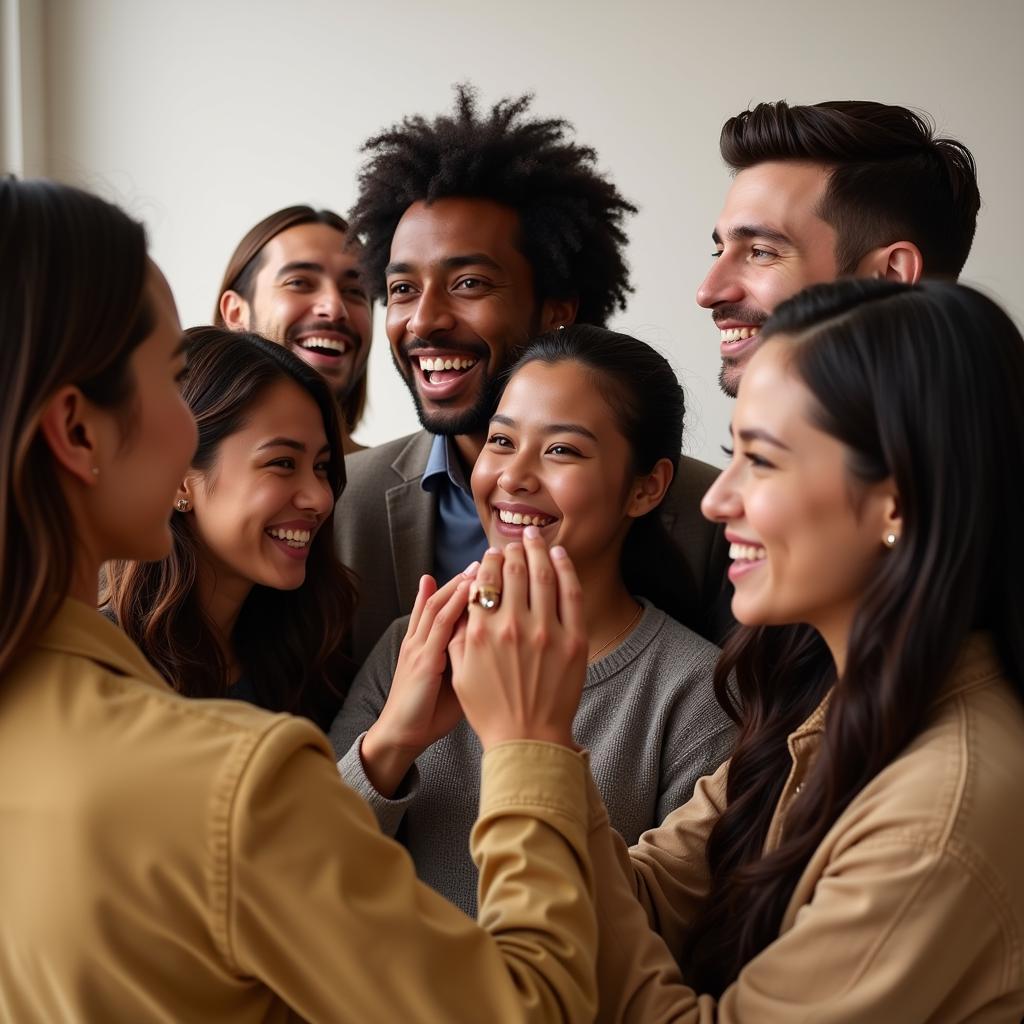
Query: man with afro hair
{"points": [[480, 230]]}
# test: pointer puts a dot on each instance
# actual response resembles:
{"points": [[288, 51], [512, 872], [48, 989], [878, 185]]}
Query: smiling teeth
{"points": [[746, 553], [518, 519], [739, 333], [293, 538], [427, 364], [328, 343]]}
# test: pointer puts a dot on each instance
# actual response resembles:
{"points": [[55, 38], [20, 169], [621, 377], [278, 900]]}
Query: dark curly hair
{"points": [[571, 216]]}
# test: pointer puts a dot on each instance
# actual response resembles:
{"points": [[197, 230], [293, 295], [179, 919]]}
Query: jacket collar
{"points": [[976, 666], [81, 630], [411, 461]]}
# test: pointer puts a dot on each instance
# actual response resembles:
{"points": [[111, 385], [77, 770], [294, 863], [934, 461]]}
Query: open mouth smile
{"points": [[445, 374], [745, 558], [292, 540], [512, 520], [735, 340]]}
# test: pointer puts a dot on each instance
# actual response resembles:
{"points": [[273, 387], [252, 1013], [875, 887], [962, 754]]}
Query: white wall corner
{"points": [[23, 87]]}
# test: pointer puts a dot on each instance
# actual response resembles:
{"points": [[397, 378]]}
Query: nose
{"points": [[432, 314], [314, 495], [722, 503], [722, 284], [518, 475], [329, 304]]}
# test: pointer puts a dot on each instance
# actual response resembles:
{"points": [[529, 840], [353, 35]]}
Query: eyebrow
{"points": [[311, 268], [287, 442], [756, 434], [551, 428], [472, 259], [744, 232]]}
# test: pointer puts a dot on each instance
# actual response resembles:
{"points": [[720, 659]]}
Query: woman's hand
{"points": [[421, 706], [518, 669]]}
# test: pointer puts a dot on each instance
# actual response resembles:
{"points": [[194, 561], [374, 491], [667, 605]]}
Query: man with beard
{"points": [[825, 191], [295, 279], [481, 230]]}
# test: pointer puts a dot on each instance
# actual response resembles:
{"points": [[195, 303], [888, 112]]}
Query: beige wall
{"points": [[201, 117]]}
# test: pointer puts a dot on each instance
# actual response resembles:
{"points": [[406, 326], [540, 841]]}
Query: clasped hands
{"points": [[515, 670]]}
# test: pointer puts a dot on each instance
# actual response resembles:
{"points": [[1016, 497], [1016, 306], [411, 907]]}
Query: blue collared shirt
{"points": [[458, 537]]}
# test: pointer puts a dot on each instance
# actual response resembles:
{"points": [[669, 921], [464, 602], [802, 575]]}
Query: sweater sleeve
{"points": [[699, 735], [369, 690], [329, 914], [361, 709]]}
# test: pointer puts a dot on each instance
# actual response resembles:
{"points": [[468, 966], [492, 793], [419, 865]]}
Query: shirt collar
{"points": [[444, 462]]}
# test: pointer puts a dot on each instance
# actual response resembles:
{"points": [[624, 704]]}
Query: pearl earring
{"points": [[890, 539], [183, 504]]}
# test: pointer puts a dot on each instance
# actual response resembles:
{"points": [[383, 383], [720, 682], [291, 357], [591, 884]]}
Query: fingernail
{"points": [[491, 551], [558, 552], [471, 568], [531, 533]]}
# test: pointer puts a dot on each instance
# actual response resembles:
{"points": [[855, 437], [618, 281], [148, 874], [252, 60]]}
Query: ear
{"points": [[234, 311], [890, 512], [67, 427], [900, 261], [555, 313], [649, 490]]}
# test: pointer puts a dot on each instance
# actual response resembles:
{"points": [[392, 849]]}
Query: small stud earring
{"points": [[561, 327], [95, 470], [183, 504], [890, 540]]}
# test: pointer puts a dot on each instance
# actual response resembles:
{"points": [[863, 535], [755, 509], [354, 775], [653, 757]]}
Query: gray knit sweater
{"points": [[648, 716]]}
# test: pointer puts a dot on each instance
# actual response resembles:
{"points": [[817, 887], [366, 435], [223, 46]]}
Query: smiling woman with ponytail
{"points": [[858, 858]]}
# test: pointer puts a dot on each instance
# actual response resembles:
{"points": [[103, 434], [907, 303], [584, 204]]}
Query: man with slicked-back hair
{"points": [[838, 188], [481, 229]]}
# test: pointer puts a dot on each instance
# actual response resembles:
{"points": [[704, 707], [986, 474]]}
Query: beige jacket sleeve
{"points": [[329, 913]]}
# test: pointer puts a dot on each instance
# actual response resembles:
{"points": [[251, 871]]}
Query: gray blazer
{"points": [[384, 528]]}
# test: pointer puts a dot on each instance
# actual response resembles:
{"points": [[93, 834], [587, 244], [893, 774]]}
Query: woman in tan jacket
{"points": [[165, 859], [859, 859]]}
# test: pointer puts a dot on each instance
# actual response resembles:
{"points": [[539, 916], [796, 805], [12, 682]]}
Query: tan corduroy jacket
{"points": [[911, 910], [170, 860]]}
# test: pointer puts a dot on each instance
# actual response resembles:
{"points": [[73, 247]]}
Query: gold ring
{"points": [[487, 597]]}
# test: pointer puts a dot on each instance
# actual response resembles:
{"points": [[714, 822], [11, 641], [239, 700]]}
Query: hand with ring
{"points": [[421, 706], [519, 662]]}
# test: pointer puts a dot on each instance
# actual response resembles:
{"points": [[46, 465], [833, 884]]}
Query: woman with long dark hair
{"points": [[582, 448], [252, 602], [858, 858], [163, 858]]}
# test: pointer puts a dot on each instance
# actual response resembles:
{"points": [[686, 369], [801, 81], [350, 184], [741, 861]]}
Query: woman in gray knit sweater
{"points": [[582, 448]]}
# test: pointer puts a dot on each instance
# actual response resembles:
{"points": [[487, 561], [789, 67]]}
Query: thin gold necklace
{"points": [[618, 636]]}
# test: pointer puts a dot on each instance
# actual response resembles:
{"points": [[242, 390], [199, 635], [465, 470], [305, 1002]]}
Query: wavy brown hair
{"points": [[246, 261], [288, 643], [72, 312], [921, 384]]}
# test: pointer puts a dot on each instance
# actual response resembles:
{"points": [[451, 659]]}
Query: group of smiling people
{"points": [[625, 785]]}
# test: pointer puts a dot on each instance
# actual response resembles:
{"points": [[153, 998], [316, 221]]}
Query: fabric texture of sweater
{"points": [[648, 715]]}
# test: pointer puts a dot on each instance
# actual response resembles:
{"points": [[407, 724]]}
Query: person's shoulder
{"points": [[692, 478], [370, 461], [674, 640]]}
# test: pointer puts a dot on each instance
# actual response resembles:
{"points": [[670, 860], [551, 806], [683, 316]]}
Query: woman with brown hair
{"points": [[251, 602], [171, 859]]}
